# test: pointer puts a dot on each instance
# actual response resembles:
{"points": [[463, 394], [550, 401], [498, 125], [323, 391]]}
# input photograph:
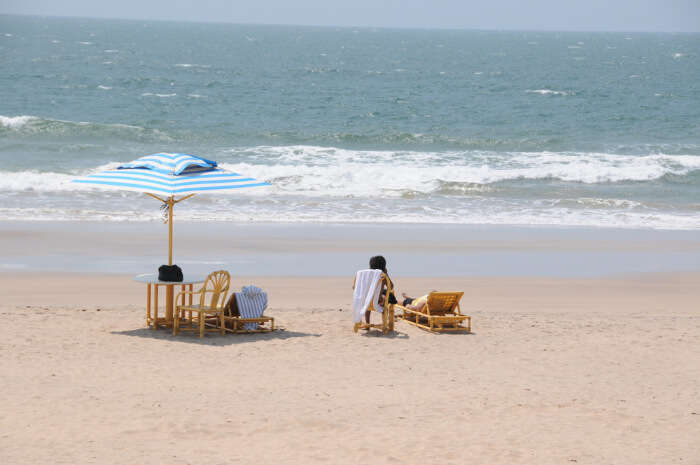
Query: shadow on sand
{"points": [[212, 339], [376, 333]]}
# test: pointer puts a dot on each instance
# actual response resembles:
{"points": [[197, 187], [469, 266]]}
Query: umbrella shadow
{"points": [[213, 339]]}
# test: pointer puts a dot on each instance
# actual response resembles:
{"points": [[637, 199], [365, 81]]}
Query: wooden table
{"points": [[152, 282]]}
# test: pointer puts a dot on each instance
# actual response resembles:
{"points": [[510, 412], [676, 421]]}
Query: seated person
{"points": [[378, 262]]}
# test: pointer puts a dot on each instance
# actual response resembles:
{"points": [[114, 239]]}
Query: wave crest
{"points": [[34, 126]]}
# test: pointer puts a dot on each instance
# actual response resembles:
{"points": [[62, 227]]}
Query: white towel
{"points": [[366, 292], [252, 302]]}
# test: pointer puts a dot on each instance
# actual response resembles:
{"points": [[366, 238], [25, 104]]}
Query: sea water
{"points": [[355, 124]]}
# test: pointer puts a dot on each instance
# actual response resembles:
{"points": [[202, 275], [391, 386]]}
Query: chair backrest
{"points": [[383, 281], [215, 288], [440, 303]]}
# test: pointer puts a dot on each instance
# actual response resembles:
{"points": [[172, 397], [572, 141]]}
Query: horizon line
{"points": [[331, 26]]}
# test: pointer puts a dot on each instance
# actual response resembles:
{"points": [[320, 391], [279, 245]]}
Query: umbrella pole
{"points": [[169, 291], [171, 202]]}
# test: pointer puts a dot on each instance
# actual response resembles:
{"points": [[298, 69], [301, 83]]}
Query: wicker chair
{"points": [[208, 315], [387, 309]]}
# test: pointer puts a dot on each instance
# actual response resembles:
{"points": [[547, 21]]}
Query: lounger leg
{"points": [[223, 324], [201, 324], [176, 326]]}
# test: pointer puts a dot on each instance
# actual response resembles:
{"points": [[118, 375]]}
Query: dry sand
{"points": [[558, 371]]}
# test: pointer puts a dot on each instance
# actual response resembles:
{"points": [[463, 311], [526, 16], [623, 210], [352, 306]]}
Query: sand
{"points": [[576, 370]]}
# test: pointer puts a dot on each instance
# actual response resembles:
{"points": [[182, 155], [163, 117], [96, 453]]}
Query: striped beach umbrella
{"points": [[165, 176]]}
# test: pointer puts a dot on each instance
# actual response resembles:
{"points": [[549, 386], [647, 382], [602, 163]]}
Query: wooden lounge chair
{"points": [[387, 310], [235, 323], [440, 313], [209, 312]]}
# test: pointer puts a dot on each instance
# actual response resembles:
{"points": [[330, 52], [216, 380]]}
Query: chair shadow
{"points": [[444, 333], [212, 339], [377, 333], [455, 333]]}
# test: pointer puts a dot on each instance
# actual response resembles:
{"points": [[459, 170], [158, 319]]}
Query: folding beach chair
{"points": [[243, 314]]}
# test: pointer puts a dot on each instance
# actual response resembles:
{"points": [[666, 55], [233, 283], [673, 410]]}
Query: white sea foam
{"points": [[328, 172], [291, 212], [334, 172], [111, 51], [149, 94], [330, 184], [104, 87], [678, 55], [25, 181], [55, 41], [37, 181], [85, 43], [15, 122], [310, 170], [548, 92], [191, 65]]}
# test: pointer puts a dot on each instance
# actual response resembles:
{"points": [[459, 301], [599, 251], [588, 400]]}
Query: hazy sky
{"points": [[621, 15]]}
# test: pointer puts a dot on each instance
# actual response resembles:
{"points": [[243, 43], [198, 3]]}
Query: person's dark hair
{"points": [[378, 263]]}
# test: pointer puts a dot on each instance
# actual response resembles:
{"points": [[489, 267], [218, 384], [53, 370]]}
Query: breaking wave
{"points": [[334, 172]]}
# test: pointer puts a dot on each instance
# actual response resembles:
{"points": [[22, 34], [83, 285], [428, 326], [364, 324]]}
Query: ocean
{"points": [[355, 125]]}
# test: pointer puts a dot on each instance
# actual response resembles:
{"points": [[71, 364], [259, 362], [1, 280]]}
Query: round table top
{"points": [[152, 278]]}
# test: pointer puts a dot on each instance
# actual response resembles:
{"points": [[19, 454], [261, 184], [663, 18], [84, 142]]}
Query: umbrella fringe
{"points": [[164, 212]]}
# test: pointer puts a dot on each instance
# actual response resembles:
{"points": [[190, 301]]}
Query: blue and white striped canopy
{"points": [[170, 174]]}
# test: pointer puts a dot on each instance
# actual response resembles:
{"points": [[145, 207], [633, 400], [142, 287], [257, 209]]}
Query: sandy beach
{"points": [[543, 161], [568, 370]]}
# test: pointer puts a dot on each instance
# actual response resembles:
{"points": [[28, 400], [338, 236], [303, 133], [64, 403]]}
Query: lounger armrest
{"points": [[406, 309]]}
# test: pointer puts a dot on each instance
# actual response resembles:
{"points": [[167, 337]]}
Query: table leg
{"points": [[155, 306], [148, 304]]}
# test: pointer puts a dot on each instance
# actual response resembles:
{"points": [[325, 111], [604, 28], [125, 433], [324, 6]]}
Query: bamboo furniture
{"points": [[387, 309], [152, 297], [440, 313], [236, 323], [209, 312]]}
